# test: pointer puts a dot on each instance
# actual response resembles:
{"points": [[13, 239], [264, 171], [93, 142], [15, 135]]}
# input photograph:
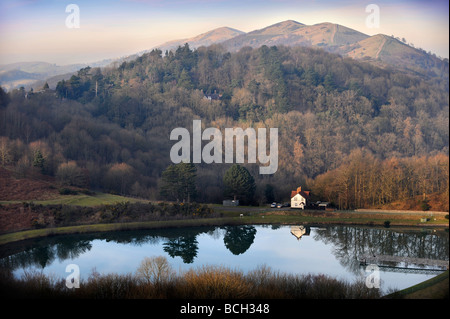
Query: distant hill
{"points": [[293, 33], [387, 49], [26, 74], [11, 75], [35, 74], [380, 49], [205, 39], [39, 67]]}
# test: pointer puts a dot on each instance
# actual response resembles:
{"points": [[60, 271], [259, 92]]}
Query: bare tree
{"points": [[155, 270]]}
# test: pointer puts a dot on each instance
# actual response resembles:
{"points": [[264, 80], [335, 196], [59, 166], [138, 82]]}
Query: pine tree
{"points": [[38, 160], [169, 188], [239, 183], [185, 80], [328, 82], [4, 98], [269, 193], [187, 174], [178, 182]]}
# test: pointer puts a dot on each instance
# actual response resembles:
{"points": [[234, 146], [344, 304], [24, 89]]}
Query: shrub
{"points": [[109, 286], [70, 174], [67, 191], [214, 282], [155, 270], [424, 205], [156, 279]]}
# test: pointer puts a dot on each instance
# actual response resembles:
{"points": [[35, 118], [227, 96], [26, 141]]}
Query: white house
{"points": [[299, 198], [298, 201]]}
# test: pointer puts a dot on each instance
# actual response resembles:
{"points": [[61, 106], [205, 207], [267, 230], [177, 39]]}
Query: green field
{"points": [[83, 200]]}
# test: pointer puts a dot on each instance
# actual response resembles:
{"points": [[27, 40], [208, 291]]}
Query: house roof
{"points": [[299, 190]]}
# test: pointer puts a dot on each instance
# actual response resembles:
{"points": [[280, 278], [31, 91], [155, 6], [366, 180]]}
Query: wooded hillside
{"points": [[383, 130]]}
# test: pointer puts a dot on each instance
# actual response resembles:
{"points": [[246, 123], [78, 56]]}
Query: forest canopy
{"points": [[113, 124]]}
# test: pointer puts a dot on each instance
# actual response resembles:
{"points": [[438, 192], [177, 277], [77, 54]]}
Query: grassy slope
{"points": [[434, 288], [82, 200]]}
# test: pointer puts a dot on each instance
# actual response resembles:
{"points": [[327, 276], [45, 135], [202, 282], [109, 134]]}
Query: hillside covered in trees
{"points": [[353, 133]]}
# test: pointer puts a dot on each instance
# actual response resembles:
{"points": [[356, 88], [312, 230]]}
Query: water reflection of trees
{"points": [[349, 243], [40, 253], [41, 256], [185, 247], [238, 239]]}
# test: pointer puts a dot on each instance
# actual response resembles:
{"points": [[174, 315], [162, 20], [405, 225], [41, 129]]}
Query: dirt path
{"points": [[380, 48], [334, 33]]}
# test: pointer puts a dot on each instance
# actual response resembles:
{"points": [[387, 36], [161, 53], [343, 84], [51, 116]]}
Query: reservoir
{"points": [[330, 250]]}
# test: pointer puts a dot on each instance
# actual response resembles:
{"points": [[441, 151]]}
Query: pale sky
{"points": [[33, 30]]}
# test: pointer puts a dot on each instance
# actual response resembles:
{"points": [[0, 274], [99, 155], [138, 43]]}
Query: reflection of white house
{"points": [[299, 231], [299, 198]]}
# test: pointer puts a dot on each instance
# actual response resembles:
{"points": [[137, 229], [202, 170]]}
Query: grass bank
{"points": [[434, 288], [370, 218]]}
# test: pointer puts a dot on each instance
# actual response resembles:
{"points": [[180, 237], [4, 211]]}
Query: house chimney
{"points": [[299, 189]]}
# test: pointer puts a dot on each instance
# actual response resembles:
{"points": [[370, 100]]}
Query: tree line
{"points": [[364, 181]]}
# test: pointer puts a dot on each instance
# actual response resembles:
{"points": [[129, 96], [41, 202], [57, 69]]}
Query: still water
{"points": [[331, 250]]}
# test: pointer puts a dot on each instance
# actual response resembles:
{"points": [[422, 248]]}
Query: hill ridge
{"points": [[329, 36]]}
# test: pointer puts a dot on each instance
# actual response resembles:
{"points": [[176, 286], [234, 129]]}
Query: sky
{"points": [[33, 30]]}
